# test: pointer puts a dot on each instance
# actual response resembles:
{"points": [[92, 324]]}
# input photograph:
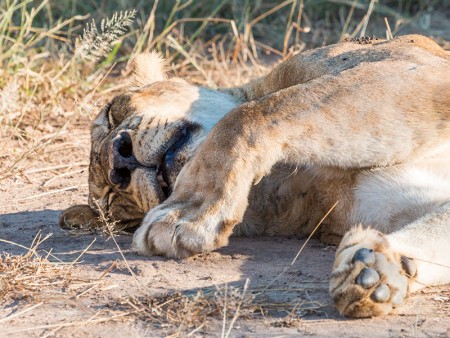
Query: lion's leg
{"points": [[373, 272], [318, 123], [426, 242]]}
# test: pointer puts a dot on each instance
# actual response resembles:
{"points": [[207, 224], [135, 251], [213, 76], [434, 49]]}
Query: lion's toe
{"points": [[367, 278], [79, 217], [165, 231], [381, 294]]}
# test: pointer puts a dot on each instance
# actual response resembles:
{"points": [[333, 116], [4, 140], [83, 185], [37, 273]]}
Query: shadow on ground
{"points": [[299, 291]]}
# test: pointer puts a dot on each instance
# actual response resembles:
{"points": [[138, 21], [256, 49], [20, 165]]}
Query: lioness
{"points": [[366, 125]]}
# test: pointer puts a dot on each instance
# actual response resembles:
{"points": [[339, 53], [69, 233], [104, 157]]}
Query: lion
{"points": [[359, 129]]}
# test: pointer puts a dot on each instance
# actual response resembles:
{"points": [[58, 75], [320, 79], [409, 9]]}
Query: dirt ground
{"points": [[91, 290]]}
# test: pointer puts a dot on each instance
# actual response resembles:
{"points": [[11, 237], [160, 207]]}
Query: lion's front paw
{"points": [[368, 279], [180, 230]]}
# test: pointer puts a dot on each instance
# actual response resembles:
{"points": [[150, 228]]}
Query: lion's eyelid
{"points": [[108, 115], [111, 197]]}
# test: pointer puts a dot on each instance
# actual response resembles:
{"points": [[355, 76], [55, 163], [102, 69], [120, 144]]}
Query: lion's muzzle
{"points": [[123, 161]]}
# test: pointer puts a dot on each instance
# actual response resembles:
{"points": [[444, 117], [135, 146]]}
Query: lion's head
{"points": [[140, 141]]}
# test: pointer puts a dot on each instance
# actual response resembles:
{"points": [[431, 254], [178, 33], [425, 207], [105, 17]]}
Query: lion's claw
{"points": [[178, 230]]}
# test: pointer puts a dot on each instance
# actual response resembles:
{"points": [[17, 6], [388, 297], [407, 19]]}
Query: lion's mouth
{"points": [[168, 165], [161, 178]]}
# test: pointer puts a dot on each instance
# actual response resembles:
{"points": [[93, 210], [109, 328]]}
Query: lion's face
{"points": [[142, 139]]}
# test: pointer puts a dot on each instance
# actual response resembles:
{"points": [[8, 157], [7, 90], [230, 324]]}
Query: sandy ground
{"points": [[96, 295]]}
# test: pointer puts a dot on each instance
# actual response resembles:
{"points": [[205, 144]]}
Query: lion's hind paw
{"points": [[368, 279]]}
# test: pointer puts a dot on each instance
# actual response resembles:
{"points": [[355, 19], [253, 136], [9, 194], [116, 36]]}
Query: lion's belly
{"points": [[388, 199], [292, 202], [283, 203]]}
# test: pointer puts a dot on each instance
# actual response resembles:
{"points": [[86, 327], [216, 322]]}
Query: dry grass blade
{"points": [[66, 174], [236, 314], [17, 314], [389, 35], [367, 17], [286, 268], [314, 231], [55, 167], [109, 226], [429, 262], [81, 254], [75, 323], [56, 191]]}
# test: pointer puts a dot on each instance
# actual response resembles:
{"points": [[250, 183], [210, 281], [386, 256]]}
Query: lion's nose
{"points": [[124, 161]]}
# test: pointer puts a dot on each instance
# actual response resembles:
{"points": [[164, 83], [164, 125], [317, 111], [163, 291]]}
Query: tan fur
{"points": [[364, 125], [148, 68]]}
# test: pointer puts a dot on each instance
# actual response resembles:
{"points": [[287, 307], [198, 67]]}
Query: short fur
{"points": [[364, 125]]}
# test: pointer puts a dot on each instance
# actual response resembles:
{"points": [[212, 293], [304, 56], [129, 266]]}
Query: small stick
{"points": [[81, 254], [389, 35], [21, 312], [313, 232], [79, 171], [61, 166], [52, 192]]}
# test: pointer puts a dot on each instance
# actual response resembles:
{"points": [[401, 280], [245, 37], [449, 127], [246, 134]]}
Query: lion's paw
{"points": [[368, 278], [179, 230]]}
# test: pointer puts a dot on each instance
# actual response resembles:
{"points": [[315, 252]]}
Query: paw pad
{"points": [[381, 294], [409, 266], [397, 299], [367, 256], [367, 278]]}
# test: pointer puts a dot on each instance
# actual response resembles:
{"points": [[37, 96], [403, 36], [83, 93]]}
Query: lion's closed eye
{"points": [[109, 118]]}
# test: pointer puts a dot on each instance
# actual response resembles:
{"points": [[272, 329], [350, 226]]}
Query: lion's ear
{"points": [[79, 217], [148, 68]]}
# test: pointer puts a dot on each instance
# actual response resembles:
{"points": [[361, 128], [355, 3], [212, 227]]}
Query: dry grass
{"points": [[22, 276], [36, 274], [56, 74], [181, 314]]}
